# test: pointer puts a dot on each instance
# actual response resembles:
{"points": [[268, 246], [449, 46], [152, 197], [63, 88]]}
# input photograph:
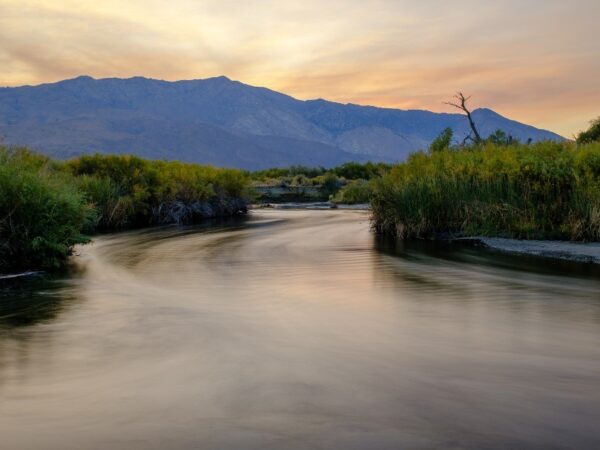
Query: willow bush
{"points": [[42, 212], [128, 191], [355, 192], [46, 206]]}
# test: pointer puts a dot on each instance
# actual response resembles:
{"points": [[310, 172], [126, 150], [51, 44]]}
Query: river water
{"points": [[300, 330]]}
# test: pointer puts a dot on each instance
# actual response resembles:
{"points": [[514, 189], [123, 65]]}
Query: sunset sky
{"points": [[537, 61]]}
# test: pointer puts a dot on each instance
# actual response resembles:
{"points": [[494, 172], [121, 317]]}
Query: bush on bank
{"points": [[355, 192], [42, 213], [545, 190], [46, 206], [128, 191]]}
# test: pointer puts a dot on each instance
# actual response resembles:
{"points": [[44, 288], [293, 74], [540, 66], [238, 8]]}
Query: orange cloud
{"points": [[537, 62]]}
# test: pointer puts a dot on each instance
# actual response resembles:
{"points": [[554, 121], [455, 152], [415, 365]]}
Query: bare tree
{"points": [[462, 105]]}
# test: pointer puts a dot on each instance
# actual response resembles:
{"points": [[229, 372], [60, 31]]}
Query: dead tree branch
{"points": [[462, 105]]}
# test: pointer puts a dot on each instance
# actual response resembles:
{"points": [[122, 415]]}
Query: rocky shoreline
{"points": [[184, 213]]}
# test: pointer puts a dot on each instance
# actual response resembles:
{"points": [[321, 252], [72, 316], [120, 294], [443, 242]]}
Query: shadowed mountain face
{"points": [[221, 122]]}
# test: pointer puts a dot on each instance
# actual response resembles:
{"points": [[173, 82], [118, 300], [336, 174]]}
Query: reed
{"points": [[547, 190]]}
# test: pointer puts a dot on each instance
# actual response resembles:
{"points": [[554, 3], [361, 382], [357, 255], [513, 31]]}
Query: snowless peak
{"points": [[224, 122]]}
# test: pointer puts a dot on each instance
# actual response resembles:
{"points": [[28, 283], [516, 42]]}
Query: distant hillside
{"points": [[222, 122]]}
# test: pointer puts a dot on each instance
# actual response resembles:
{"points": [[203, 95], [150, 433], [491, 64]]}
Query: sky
{"points": [[531, 60]]}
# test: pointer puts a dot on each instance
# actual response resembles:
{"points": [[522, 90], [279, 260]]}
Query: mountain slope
{"points": [[222, 122]]}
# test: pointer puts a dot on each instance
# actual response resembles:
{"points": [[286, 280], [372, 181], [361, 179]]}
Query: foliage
{"points": [[357, 171], [45, 206], [110, 208], [287, 172], [544, 190], [42, 212], [592, 134], [349, 171], [355, 192], [330, 184], [127, 191], [122, 188], [499, 137], [442, 141], [327, 181]]}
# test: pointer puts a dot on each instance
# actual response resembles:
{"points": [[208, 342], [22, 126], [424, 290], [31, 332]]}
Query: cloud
{"points": [[536, 61]]}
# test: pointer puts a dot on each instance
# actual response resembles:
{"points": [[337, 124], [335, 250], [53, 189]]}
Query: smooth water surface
{"points": [[300, 330]]}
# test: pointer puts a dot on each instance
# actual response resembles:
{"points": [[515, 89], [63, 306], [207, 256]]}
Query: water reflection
{"points": [[25, 302], [301, 329]]}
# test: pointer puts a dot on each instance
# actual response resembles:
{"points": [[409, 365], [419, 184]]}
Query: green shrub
{"points": [[127, 191], [46, 205], [330, 184], [355, 192], [126, 183], [310, 175], [499, 137], [442, 142], [357, 171], [112, 210], [592, 134], [288, 172], [545, 190], [41, 212]]}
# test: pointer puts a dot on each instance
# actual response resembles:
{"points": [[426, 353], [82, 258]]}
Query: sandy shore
{"points": [[574, 251]]}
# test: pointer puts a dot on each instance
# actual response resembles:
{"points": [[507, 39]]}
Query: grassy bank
{"points": [[46, 206], [545, 191], [542, 191]]}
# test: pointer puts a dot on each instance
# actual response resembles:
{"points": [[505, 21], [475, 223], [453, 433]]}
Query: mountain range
{"points": [[222, 122]]}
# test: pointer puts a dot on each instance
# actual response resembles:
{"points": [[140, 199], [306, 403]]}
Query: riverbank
{"points": [[48, 206], [547, 190], [571, 251]]}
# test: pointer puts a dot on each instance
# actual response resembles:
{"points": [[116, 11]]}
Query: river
{"points": [[300, 329]]}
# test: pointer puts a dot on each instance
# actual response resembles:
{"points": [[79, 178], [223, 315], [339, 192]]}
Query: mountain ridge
{"points": [[223, 122]]}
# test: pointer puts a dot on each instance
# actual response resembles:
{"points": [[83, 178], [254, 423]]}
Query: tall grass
{"points": [[46, 206], [546, 190]]}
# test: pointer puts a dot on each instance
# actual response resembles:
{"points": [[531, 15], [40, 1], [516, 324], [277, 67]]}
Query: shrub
{"points": [[41, 212], [499, 137], [330, 184], [357, 171], [545, 190], [358, 191], [592, 134], [127, 191], [46, 205], [127, 183], [442, 142], [112, 210]]}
